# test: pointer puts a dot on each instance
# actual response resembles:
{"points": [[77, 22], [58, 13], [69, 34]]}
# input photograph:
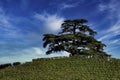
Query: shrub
{"points": [[16, 63], [2, 66]]}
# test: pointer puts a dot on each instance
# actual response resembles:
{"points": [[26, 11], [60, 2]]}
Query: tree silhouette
{"points": [[76, 38]]}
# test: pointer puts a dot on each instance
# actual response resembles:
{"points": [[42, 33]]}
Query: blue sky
{"points": [[23, 22]]}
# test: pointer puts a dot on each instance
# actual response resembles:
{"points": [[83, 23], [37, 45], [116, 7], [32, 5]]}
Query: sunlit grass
{"points": [[73, 68]]}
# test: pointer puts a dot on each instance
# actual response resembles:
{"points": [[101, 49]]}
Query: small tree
{"points": [[76, 38], [16, 63]]}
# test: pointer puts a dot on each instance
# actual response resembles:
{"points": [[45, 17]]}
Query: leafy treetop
{"points": [[76, 37]]}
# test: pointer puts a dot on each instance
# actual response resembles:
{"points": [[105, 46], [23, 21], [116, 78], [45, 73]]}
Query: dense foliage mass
{"points": [[73, 68], [2, 66], [76, 38]]}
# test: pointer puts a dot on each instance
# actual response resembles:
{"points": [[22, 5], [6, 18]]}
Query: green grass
{"points": [[73, 68]]}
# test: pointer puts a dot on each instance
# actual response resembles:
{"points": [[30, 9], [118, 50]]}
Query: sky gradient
{"points": [[23, 23]]}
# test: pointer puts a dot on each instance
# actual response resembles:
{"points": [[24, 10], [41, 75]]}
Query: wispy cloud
{"points": [[7, 27], [28, 54], [115, 41], [51, 22], [115, 29], [105, 36], [20, 56], [111, 32], [114, 13], [66, 6], [111, 7], [102, 7], [108, 35], [15, 34], [4, 20], [19, 39], [14, 27]]}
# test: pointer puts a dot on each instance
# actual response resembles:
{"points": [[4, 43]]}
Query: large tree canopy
{"points": [[76, 37]]}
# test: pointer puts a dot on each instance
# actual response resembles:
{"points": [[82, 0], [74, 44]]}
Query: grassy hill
{"points": [[73, 68]]}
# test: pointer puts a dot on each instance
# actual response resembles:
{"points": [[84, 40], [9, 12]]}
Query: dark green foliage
{"points": [[73, 68], [76, 38], [2, 66], [16, 63]]}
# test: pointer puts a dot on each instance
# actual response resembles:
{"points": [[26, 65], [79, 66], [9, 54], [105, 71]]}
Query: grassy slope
{"points": [[74, 68]]}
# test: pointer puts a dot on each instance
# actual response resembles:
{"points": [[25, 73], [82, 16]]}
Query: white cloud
{"points": [[108, 35], [6, 25], [115, 29], [64, 53], [52, 22], [104, 37], [113, 14], [34, 50], [28, 54], [112, 8], [102, 7], [10, 28], [23, 55], [112, 31], [4, 20], [116, 41], [42, 52], [65, 6]]}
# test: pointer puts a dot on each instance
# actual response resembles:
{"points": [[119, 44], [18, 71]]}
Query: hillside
{"points": [[73, 68]]}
